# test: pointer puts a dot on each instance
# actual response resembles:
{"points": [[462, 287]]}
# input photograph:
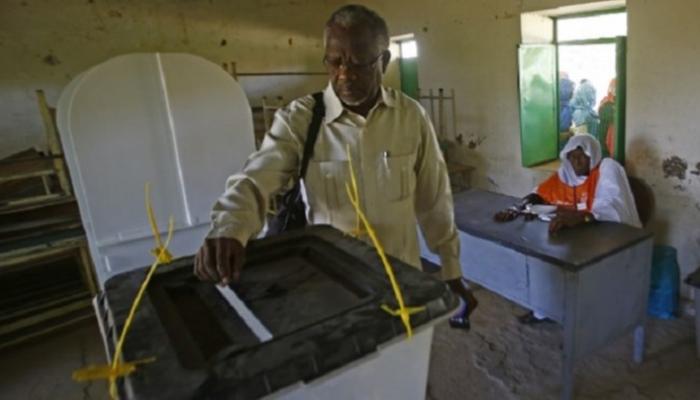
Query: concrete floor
{"points": [[498, 359]]}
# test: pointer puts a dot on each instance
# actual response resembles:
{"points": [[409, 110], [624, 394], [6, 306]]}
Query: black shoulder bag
{"points": [[291, 213]]}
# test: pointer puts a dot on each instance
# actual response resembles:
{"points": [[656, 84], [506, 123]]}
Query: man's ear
{"points": [[386, 57]]}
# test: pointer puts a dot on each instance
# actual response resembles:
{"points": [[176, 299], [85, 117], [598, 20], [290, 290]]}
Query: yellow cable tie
{"points": [[97, 372], [118, 368], [403, 312], [161, 255], [358, 231]]}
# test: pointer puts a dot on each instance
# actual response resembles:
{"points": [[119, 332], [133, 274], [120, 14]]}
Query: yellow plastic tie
{"points": [[358, 231], [160, 252], [403, 312], [97, 372], [117, 368]]}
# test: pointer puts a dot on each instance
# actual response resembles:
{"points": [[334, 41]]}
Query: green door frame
{"points": [[408, 72]]}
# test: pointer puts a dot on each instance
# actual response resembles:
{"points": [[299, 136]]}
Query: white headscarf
{"points": [[590, 147]]}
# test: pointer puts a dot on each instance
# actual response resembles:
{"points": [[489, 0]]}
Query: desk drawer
{"points": [[495, 267]]}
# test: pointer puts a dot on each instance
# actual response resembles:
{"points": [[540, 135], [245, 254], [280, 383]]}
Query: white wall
{"points": [[468, 45]]}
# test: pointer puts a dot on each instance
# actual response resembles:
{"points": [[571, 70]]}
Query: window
{"points": [[409, 49], [572, 80]]}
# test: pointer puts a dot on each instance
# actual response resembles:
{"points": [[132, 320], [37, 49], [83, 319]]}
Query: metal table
{"points": [[593, 280], [694, 281]]}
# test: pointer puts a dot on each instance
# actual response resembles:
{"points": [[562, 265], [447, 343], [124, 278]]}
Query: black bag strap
{"points": [[319, 111]]}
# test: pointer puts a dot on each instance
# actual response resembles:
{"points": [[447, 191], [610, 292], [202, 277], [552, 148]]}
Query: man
{"points": [[587, 188], [401, 174]]}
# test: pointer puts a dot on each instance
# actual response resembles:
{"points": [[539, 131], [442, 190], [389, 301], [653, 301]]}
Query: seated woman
{"points": [[585, 189]]}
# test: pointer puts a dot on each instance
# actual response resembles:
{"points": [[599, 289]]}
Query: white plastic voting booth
{"points": [[177, 121]]}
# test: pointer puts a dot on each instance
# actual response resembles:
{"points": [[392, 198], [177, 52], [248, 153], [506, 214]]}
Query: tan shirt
{"points": [[402, 177]]}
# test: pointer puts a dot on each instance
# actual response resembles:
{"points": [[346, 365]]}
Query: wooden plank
{"points": [[65, 222], [88, 269], [18, 167], [51, 303], [26, 175], [60, 322], [35, 253], [53, 201], [37, 318], [30, 201], [49, 118]]}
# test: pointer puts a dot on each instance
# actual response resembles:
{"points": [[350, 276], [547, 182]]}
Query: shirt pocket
{"points": [[326, 182], [396, 178]]}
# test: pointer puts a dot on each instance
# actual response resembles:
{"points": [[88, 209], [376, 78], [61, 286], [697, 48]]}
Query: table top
{"points": [[572, 249]]}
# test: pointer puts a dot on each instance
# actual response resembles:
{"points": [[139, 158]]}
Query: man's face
{"points": [[355, 63], [580, 161]]}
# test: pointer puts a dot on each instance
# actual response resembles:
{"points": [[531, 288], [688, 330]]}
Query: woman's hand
{"points": [[568, 218]]}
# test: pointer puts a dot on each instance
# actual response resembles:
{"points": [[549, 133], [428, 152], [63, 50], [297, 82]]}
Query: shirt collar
{"points": [[334, 108]]}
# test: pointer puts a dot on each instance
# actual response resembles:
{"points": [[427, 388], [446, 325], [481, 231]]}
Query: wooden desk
{"points": [[593, 280], [694, 281]]}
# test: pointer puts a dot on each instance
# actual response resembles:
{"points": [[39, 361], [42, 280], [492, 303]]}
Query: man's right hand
{"points": [[219, 260]]}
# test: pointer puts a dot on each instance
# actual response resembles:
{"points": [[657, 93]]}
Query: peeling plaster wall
{"points": [[468, 45], [663, 102], [44, 44]]}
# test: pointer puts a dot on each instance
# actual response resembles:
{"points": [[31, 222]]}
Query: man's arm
{"points": [[239, 214], [433, 202]]}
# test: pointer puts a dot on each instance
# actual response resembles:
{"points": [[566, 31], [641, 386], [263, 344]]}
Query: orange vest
{"points": [[556, 192]]}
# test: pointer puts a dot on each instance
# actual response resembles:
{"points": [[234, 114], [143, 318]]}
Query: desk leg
{"points": [[568, 361], [569, 351], [639, 334], [697, 321]]}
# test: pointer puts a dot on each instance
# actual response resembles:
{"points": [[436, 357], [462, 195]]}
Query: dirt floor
{"points": [[502, 359], [498, 359]]}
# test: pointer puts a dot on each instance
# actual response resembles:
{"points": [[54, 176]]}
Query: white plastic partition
{"points": [[177, 121]]}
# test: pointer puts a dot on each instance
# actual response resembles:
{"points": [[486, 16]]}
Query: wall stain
{"points": [[505, 15], [680, 188], [697, 169], [491, 181], [114, 14], [222, 43], [290, 41], [674, 167], [425, 29], [51, 60], [475, 142], [185, 33]]}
